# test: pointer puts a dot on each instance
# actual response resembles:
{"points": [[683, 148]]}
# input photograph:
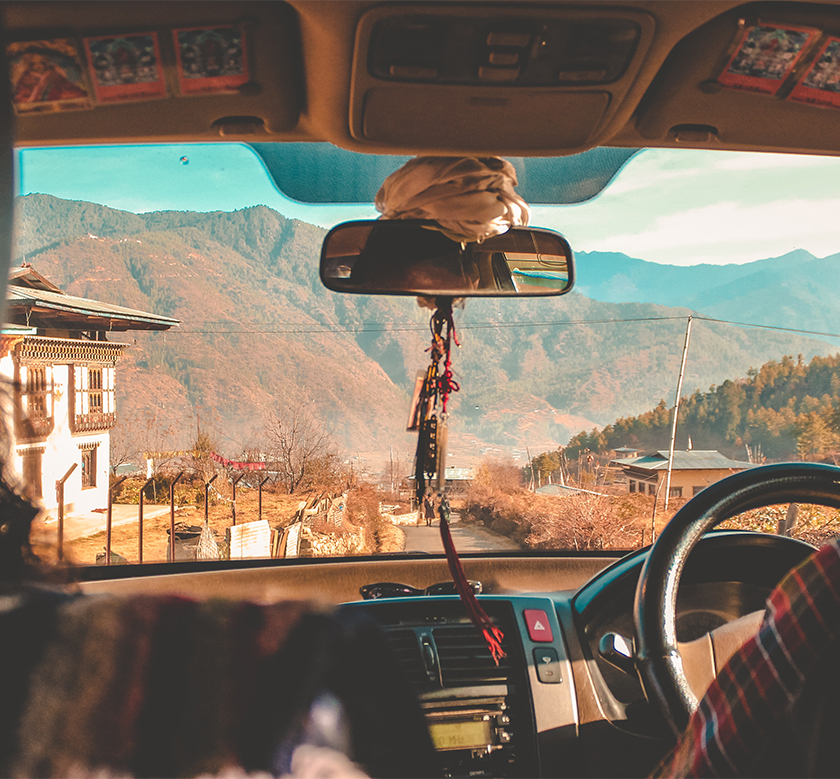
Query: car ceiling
{"points": [[319, 72]]}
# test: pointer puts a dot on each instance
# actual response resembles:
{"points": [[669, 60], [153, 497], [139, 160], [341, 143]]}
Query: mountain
{"points": [[258, 331], [786, 291]]}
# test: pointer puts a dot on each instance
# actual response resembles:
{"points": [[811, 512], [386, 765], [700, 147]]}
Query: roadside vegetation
{"points": [[591, 522], [582, 522]]}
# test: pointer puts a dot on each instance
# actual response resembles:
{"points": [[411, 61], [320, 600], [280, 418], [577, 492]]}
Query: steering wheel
{"points": [[658, 660]]}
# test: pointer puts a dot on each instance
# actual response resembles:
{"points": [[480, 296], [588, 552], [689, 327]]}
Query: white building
{"points": [[55, 351]]}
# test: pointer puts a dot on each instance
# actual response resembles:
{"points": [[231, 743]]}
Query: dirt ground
{"points": [[279, 509]]}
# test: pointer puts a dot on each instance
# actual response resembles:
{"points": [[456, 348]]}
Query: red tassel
{"points": [[492, 634]]}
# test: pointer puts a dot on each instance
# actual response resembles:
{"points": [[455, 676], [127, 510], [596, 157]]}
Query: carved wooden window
{"points": [[95, 389], [88, 466], [34, 407], [93, 398]]}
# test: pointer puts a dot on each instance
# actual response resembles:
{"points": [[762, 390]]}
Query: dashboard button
{"points": [[500, 38], [538, 627], [503, 58], [548, 665]]}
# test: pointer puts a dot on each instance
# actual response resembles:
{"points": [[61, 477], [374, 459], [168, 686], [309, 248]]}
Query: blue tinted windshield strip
{"points": [[323, 173]]}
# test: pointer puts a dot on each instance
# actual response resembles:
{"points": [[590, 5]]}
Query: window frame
{"points": [[88, 465]]}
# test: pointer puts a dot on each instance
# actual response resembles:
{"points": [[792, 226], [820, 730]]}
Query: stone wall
{"points": [[347, 541], [411, 518]]}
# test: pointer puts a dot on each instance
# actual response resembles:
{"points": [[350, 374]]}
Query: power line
{"points": [[381, 328], [401, 328], [769, 327]]}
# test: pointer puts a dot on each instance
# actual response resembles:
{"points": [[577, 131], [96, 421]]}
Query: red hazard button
{"points": [[538, 627]]}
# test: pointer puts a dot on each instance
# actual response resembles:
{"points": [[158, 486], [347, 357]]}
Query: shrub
{"points": [[580, 521]]}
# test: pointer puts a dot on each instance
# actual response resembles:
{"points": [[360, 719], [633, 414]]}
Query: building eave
{"points": [[52, 310]]}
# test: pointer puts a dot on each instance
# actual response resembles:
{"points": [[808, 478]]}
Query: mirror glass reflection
{"points": [[415, 258]]}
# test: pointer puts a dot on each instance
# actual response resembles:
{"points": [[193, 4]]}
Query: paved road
{"points": [[467, 537], [83, 525]]}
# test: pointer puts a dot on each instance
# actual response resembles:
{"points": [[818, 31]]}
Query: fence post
{"points": [[109, 522], [59, 489], [261, 486], [233, 505], [172, 516], [140, 520], [207, 498]]}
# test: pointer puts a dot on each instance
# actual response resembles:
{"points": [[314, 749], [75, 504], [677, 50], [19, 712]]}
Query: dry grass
{"points": [[595, 522], [363, 511], [278, 508], [582, 521], [814, 524], [391, 538]]}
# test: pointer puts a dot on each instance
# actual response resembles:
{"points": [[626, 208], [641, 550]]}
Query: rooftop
{"points": [[562, 490], [35, 301], [685, 460]]}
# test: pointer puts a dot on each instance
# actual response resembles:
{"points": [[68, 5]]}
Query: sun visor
{"points": [[760, 77], [124, 72], [322, 173]]}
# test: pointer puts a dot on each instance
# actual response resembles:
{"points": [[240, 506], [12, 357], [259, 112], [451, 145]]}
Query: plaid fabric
{"points": [[761, 682]]}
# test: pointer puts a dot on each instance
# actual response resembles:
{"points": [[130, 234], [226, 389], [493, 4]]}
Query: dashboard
{"points": [[554, 705]]}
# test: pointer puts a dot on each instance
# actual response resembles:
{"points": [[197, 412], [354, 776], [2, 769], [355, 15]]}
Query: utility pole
{"points": [[533, 484], [676, 414]]}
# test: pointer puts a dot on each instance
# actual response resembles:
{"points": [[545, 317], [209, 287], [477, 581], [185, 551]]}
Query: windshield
{"points": [[179, 365]]}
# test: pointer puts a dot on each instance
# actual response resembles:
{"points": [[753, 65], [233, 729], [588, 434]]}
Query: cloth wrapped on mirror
{"points": [[470, 198]]}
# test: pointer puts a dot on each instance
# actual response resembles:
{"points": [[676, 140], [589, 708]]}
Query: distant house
{"points": [[55, 350], [693, 471], [458, 480]]}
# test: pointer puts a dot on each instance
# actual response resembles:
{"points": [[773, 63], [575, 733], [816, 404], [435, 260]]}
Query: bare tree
{"points": [[298, 445], [200, 460], [125, 448], [131, 438]]}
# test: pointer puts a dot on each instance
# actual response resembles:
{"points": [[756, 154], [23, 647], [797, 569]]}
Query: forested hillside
{"points": [[258, 331], [785, 410]]}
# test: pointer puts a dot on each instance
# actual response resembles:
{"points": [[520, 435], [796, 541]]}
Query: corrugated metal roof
{"points": [[691, 460], [455, 474], [26, 297], [561, 490], [460, 474]]}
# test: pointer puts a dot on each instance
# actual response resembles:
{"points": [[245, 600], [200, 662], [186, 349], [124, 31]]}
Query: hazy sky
{"points": [[681, 207]]}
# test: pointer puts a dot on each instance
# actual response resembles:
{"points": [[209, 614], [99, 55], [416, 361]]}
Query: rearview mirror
{"points": [[412, 257]]}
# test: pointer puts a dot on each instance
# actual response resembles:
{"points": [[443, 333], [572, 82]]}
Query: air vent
{"points": [[406, 648], [439, 647], [465, 658]]}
